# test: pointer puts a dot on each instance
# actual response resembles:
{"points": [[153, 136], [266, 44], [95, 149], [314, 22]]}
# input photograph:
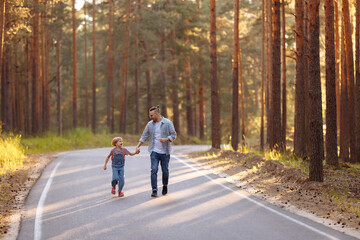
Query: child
{"points": [[117, 155]]}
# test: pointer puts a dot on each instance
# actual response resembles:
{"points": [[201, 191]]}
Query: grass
{"points": [[342, 201], [80, 138]]}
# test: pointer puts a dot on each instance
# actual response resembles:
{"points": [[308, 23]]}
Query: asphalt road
{"points": [[72, 200]]}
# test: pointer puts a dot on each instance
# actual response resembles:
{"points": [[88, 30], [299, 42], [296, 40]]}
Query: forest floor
{"points": [[336, 201]]}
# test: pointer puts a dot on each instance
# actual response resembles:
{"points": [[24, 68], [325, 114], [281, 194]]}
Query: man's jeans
{"points": [[118, 176], [164, 162]]}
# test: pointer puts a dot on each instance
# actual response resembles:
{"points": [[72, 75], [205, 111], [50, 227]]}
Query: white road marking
{"points": [[258, 203], [39, 209]]}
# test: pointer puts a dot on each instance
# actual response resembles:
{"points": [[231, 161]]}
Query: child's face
{"points": [[119, 143]]}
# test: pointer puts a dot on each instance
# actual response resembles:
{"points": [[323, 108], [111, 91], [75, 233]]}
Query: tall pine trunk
{"points": [[357, 69], [110, 73], [201, 89], [86, 70], [242, 97], [35, 100], [344, 113], [215, 108], [331, 128], [58, 83], [235, 83], [137, 67], [284, 109], [276, 79], [269, 73], [163, 75], [93, 118], [299, 135], [337, 63], [350, 77], [316, 123], [27, 62], [2, 31], [262, 76], [126, 62], [74, 65]]}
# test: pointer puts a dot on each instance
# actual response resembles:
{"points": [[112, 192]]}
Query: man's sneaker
{"points": [[154, 193], [164, 190], [121, 194], [113, 190]]}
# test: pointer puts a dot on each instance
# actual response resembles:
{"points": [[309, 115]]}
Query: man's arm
{"points": [[138, 147]]}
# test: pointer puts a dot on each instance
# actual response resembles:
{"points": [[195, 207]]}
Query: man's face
{"points": [[154, 116]]}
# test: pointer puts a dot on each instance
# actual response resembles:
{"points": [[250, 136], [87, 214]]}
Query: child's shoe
{"points": [[121, 194], [113, 190]]}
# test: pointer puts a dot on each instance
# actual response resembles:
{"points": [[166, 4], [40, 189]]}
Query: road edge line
{"points": [[39, 209], [258, 203]]}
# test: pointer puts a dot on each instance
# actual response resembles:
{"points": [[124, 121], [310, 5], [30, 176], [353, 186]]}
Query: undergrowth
{"points": [[80, 138], [12, 153]]}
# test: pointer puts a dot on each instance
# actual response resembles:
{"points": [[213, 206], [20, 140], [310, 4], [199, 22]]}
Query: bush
{"points": [[12, 153]]}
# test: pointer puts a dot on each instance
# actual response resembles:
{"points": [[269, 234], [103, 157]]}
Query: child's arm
{"points": [[132, 154], [106, 161]]}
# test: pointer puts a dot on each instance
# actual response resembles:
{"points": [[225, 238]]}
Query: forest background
{"points": [[102, 64], [267, 75]]}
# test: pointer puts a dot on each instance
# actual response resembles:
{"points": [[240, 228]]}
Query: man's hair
{"points": [[155, 108]]}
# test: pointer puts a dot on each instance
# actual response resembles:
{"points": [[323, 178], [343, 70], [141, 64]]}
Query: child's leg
{"points": [[121, 179], [115, 177]]}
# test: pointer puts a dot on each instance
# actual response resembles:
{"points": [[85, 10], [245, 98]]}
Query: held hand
{"points": [[137, 150], [163, 140]]}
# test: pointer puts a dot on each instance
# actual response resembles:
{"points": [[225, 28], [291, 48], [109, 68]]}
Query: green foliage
{"points": [[80, 138], [12, 153]]}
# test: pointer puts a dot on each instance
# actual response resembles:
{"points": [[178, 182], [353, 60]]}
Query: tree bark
{"points": [[110, 73], [276, 78], [74, 65], [137, 67], [316, 123], [350, 77], [163, 75], [235, 83], [331, 129], [269, 73], [263, 30], [148, 74], [242, 96], [86, 70], [2, 30], [35, 100], [357, 69], [284, 98], [299, 135], [337, 63], [125, 72], [93, 122], [344, 114], [58, 83], [27, 62], [201, 89], [215, 108]]}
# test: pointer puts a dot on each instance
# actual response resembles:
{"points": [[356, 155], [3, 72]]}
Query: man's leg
{"points": [[154, 170], [165, 172]]}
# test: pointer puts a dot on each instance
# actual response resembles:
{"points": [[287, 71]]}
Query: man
{"points": [[160, 132]]}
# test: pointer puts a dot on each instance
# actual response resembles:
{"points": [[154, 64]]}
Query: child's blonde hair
{"points": [[115, 140]]}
